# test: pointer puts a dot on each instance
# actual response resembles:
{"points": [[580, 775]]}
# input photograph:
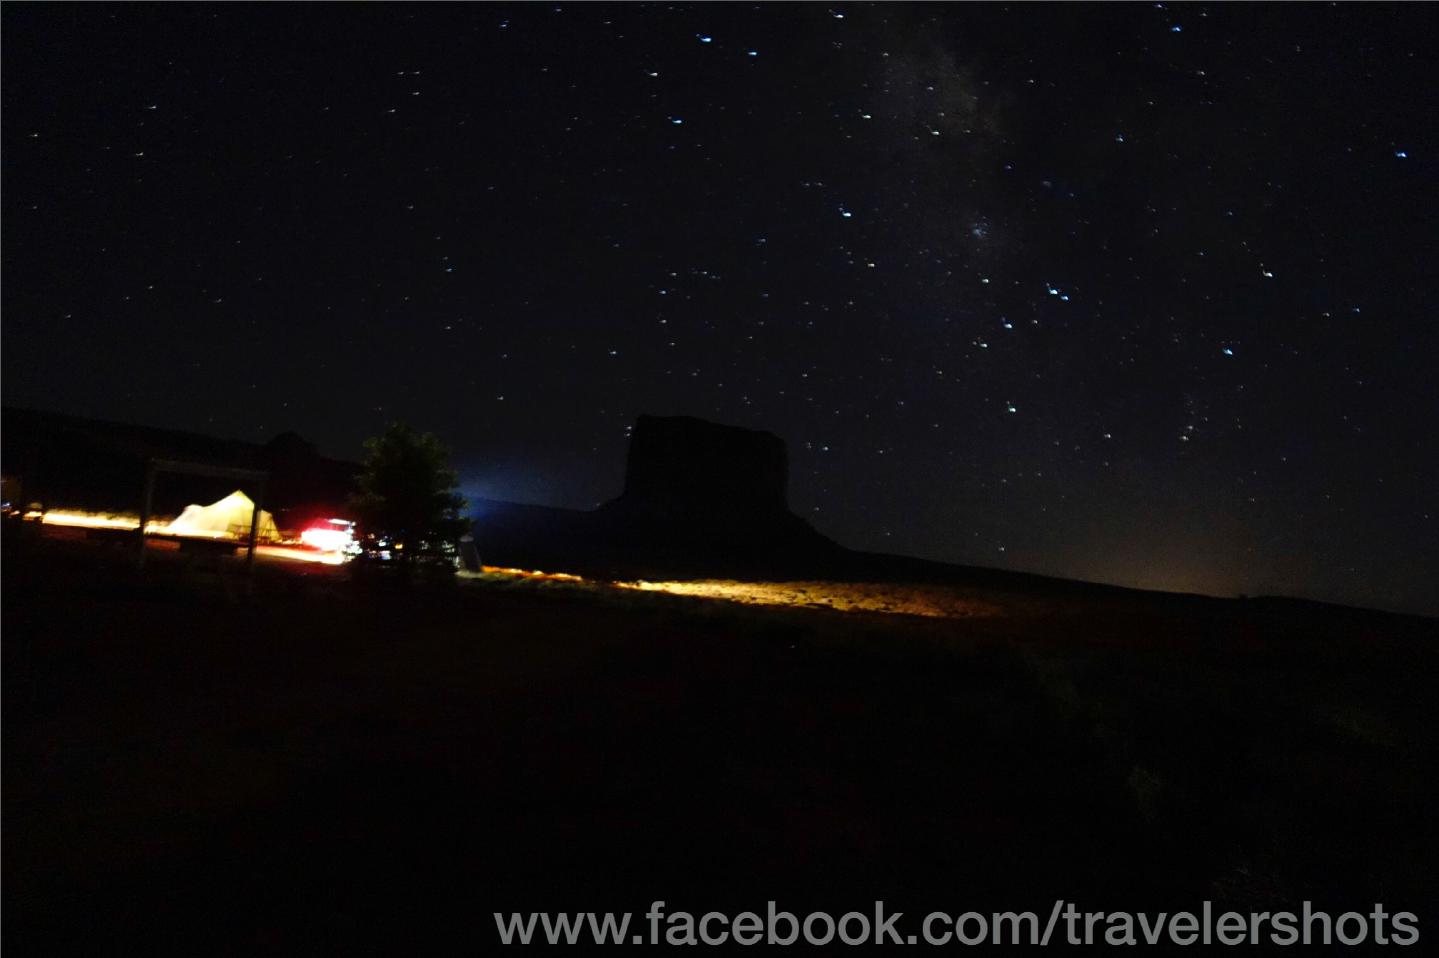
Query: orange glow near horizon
{"points": [[872, 597], [97, 520], [886, 598], [532, 573], [93, 520], [161, 527]]}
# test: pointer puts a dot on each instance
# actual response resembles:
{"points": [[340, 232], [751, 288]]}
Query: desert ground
{"points": [[313, 765]]}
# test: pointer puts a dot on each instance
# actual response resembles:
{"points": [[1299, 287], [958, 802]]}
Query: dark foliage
{"points": [[406, 489]]}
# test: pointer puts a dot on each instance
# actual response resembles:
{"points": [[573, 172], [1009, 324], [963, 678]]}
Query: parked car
{"points": [[380, 554]]}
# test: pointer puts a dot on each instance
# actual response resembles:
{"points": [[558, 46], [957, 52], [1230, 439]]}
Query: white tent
{"points": [[228, 518]]}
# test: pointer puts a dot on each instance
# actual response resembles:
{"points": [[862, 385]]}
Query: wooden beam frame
{"points": [[153, 468]]}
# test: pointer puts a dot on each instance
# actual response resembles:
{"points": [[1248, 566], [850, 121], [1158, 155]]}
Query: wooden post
{"points": [[145, 508], [254, 527]]}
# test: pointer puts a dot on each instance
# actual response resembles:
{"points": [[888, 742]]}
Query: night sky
{"points": [[1139, 294]]}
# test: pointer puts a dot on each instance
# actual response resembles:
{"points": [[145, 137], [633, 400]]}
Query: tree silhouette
{"points": [[407, 491]]}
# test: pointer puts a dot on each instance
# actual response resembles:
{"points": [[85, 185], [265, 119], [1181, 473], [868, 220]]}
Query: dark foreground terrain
{"points": [[325, 768]]}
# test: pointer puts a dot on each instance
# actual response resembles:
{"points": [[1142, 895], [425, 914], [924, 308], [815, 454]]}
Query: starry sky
{"points": [[1135, 293]]}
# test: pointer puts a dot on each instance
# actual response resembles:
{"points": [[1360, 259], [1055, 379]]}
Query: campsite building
{"points": [[57, 462]]}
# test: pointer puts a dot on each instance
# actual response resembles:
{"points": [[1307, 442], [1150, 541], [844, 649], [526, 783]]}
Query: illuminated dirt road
{"points": [[896, 599], [893, 598]]}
